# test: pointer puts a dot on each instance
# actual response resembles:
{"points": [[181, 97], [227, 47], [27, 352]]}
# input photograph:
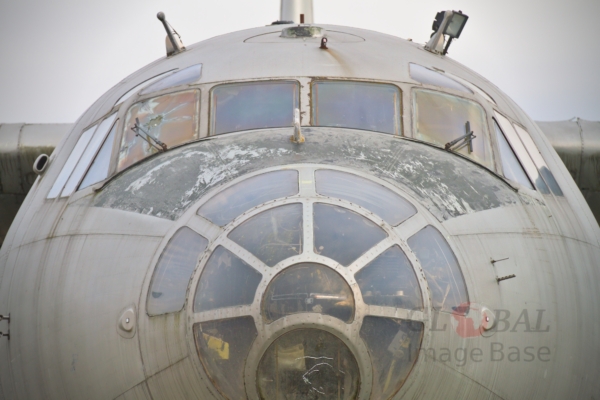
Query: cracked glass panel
{"points": [[223, 347], [308, 364], [343, 235], [366, 193], [510, 163], [171, 119], [253, 105], [185, 76], [231, 202], [357, 105], [226, 281], [394, 347], [441, 118], [443, 275], [272, 235], [173, 271], [99, 169], [431, 77], [390, 281], [308, 288]]}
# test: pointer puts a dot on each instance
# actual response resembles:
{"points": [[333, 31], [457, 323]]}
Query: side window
{"points": [[253, 105], [443, 119], [510, 163], [168, 120], [80, 158], [357, 105]]}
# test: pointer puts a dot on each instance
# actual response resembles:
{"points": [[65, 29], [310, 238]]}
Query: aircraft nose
{"points": [[301, 286]]}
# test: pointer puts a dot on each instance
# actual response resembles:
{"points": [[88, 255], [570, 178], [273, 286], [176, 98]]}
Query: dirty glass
{"points": [[173, 271], [308, 364], [443, 275], [253, 105], [440, 118], [171, 119], [74, 157], [185, 76], [99, 169], [137, 87], [510, 164], [539, 161], [356, 105], [525, 159], [394, 348], [223, 347], [343, 235], [231, 202], [308, 288], [225, 282], [430, 77], [272, 235], [390, 281], [366, 193]]}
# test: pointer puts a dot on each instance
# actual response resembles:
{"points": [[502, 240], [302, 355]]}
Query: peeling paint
{"points": [[167, 184]]}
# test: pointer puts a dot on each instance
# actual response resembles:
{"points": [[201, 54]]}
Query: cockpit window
{"points": [[430, 77], [356, 105], [510, 163], [444, 120], [253, 105], [185, 76], [99, 169], [170, 119]]}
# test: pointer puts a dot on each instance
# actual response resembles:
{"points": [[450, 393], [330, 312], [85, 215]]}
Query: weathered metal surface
{"points": [[577, 142], [20, 145], [167, 184]]}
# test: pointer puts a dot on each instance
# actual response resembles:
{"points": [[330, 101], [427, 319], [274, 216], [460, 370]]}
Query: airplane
{"points": [[303, 211]]}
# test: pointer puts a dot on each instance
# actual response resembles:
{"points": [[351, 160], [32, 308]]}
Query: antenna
{"points": [[298, 11], [173, 44]]}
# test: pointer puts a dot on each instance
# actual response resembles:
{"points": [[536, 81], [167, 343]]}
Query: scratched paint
{"points": [[168, 183]]}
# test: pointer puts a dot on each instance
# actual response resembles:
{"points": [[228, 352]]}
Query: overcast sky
{"points": [[58, 56]]}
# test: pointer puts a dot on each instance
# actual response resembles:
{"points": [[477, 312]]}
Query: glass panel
{"points": [[539, 161], [308, 364], [394, 348], [308, 288], [185, 76], [273, 235], [513, 139], [390, 281], [430, 77], [171, 118], [99, 168], [134, 90], [445, 280], [471, 86], [510, 164], [223, 347], [173, 271], [253, 105], [76, 153], [343, 235], [366, 193], [231, 202], [357, 105], [225, 282], [440, 118]]}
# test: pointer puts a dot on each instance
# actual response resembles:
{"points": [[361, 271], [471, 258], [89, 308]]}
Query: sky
{"points": [[58, 56]]}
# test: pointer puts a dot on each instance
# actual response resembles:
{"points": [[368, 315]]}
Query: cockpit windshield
{"points": [[357, 105], [452, 122]]}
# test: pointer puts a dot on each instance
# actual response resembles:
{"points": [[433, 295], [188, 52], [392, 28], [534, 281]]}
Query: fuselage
{"points": [[191, 248]]}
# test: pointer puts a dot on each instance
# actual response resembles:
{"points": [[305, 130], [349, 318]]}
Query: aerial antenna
{"points": [[297, 11], [172, 42]]}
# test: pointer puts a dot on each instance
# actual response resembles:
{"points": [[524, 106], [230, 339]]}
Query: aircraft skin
{"points": [[77, 271]]}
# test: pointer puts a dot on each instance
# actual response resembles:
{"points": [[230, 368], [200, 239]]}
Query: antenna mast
{"points": [[297, 11]]}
